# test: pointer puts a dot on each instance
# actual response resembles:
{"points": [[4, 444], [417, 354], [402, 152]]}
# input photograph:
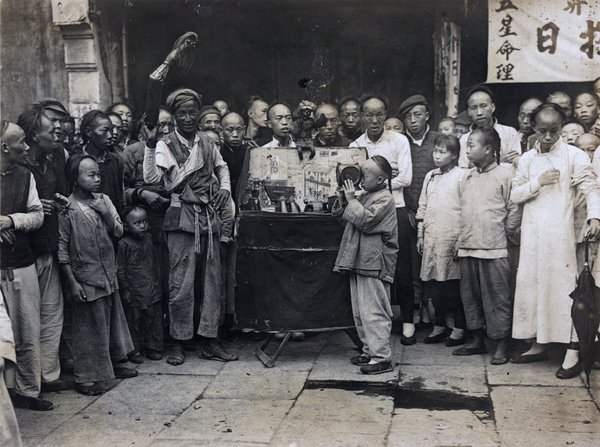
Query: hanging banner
{"points": [[543, 41]]}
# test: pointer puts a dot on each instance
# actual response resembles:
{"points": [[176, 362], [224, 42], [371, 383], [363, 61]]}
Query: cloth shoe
{"points": [[377, 368], [30, 403], [361, 359], [569, 373]]}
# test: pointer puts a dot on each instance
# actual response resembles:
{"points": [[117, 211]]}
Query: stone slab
{"points": [[553, 438], [221, 421], [251, 381], [426, 428], [437, 354], [311, 433], [139, 396], [456, 379], [42, 423], [343, 408], [545, 410], [101, 430], [196, 443]]}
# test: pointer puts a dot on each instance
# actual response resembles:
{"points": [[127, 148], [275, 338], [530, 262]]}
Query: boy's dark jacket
{"points": [[369, 245]]}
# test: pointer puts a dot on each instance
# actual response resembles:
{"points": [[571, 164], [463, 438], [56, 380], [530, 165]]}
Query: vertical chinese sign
{"points": [[543, 41]]}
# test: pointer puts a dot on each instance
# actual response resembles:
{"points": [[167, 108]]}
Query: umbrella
{"points": [[585, 314]]}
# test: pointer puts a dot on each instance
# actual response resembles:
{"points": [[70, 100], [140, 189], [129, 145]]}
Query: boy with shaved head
{"points": [[368, 251], [234, 149], [546, 182]]}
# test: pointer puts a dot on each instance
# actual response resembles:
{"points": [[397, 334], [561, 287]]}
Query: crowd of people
{"points": [[117, 238]]}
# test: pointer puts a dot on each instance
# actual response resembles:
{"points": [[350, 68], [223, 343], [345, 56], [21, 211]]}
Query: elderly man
{"points": [[210, 119], [525, 125], [190, 167], [414, 111], [481, 108], [350, 115], [279, 120], [257, 131], [328, 123], [21, 212], [395, 148]]}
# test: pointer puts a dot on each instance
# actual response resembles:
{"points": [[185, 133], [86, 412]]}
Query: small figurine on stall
{"points": [[303, 127]]}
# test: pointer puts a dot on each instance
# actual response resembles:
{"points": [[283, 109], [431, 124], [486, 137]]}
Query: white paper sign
{"points": [[543, 41]]}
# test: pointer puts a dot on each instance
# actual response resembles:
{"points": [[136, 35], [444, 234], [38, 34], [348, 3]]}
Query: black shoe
{"points": [[124, 373], [436, 338], [377, 368], [480, 349], [30, 403], [455, 341], [153, 355], [570, 373], [136, 358], [407, 341], [57, 385], [361, 359], [540, 356]]}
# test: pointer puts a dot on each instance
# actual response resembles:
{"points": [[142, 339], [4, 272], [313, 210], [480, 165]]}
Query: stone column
{"points": [[89, 88]]}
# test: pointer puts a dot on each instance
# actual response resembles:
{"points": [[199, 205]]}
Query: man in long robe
{"points": [[546, 182]]}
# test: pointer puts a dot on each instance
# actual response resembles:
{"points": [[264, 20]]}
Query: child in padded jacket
{"points": [[369, 250]]}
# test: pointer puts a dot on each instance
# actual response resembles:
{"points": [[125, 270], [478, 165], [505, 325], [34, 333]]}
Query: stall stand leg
{"points": [[269, 362]]}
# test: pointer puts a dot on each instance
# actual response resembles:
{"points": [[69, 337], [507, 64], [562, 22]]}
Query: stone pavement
{"points": [[314, 397]]}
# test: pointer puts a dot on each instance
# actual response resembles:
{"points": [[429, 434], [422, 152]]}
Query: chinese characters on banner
{"points": [[543, 41]]}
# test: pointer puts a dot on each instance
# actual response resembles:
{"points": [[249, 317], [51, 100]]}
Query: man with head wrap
{"points": [[192, 170]]}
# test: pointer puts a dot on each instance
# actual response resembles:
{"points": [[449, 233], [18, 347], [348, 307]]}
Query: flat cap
{"points": [[463, 119], [207, 110], [412, 101]]}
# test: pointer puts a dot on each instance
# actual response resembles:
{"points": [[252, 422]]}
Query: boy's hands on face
{"points": [[549, 177], [349, 190]]}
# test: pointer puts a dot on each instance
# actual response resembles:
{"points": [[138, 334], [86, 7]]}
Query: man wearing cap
{"points": [[210, 119], [50, 179], [395, 148], [481, 108], [414, 111], [189, 165], [462, 124]]}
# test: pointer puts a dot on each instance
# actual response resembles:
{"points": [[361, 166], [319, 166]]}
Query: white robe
{"points": [[548, 268]]}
